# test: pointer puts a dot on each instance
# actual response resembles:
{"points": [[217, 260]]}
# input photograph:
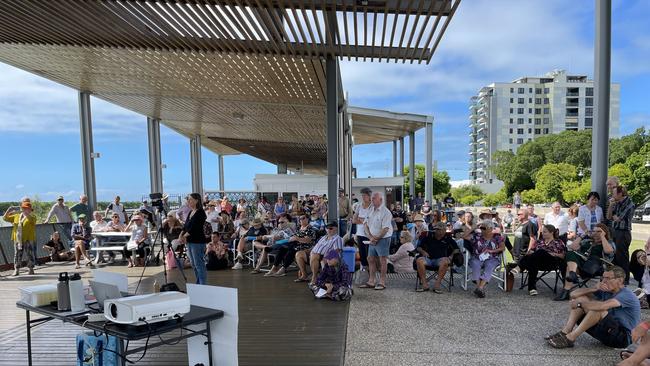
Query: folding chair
{"points": [[540, 278], [498, 274], [432, 274]]}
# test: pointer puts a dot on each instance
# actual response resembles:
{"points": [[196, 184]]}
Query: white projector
{"points": [[150, 308]]}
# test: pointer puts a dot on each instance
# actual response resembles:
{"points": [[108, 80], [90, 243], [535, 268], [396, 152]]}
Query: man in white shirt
{"points": [[558, 219], [60, 211], [378, 228]]}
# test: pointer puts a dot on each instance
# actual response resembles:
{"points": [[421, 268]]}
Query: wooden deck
{"points": [[280, 323]]}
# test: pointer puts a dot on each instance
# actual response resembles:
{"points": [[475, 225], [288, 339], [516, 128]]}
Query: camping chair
{"points": [[432, 274], [540, 278], [498, 274]]}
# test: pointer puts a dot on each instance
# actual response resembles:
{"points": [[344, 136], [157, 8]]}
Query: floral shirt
{"points": [[554, 246], [480, 244], [304, 233]]}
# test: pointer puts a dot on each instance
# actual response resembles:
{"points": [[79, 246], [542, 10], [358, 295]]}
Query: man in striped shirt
{"points": [[620, 217]]}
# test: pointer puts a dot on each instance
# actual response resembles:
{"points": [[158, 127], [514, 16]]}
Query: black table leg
{"points": [[209, 343], [29, 338]]}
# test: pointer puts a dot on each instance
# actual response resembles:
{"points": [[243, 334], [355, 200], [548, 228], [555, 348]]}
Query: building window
{"points": [[546, 120], [538, 110], [530, 120], [589, 122], [538, 121], [520, 110], [520, 121], [589, 92], [511, 131], [520, 141], [510, 140], [512, 120], [511, 110], [589, 101], [529, 139], [512, 90], [530, 90], [546, 100], [538, 100], [538, 91], [530, 110], [546, 131], [521, 90], [546, 90], [530, 100], [547, 110], [530, 130], [512, 100], [520, 131], [538, 131], [520, 100], [589, 112]]}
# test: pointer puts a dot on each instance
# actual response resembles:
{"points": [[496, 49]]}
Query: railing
{"points": [[43, 233]]}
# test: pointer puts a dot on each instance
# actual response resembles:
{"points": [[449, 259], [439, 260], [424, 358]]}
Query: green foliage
{"points": [[623, 173], [532, 196], [441, 183], [621, 149], [573, 191], [495, 199], [549, 180], [467, 190], [469, 200], [639, 188]]}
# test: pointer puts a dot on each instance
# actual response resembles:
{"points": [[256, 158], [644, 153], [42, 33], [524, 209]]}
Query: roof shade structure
{"points": [[246, 75]]}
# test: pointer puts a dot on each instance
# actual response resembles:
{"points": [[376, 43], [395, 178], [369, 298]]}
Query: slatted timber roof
{"points": [[246, 75]]}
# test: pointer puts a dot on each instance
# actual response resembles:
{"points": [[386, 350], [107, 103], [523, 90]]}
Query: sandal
{"points": [[380, 287], [301, 280], [255, 271], [367, 285], [422, 289], [554, 335], [561, 341], [437, 290]]}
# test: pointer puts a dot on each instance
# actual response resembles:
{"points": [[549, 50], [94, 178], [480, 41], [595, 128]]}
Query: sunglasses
{"points": [[483, 228]]}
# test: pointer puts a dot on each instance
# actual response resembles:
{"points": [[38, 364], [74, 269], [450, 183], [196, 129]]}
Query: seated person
{"points": [[401, 261], [303, 239], [171, 230], [486, 248], [225, 226], [638, 352], [216, 253], [435, 250], [56, 249], [100, 225], [587, 256], [81, 235], [139, 242], [335, 278], [607, 312], [545, 254], [317, 222], [328, 242], [278, 237], [638, 265], [246, 241]]}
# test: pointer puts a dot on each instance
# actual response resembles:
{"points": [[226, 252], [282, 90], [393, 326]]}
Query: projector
{"points": [[150, 308]]}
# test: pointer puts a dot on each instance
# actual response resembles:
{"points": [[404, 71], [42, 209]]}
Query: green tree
{"points": [[495, 199], [576, 191], [440, 181], [639, 188], [549, 180], [467, 190], [623, 148], [532, 196], [469, 200]]}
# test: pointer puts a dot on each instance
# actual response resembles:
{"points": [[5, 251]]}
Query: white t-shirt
{"points": [[378, 219], [98, 226], [561, 221], [118, 208], [585, 215], [363, 214], [213, 216]]}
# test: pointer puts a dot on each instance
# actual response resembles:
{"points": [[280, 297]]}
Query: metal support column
{"points": [[87, 151], [221, 176], [412, 165], [428, 161], [196, 165], [155, 160], [332, 100], [602, 68], [394, 158], [401, 157]]}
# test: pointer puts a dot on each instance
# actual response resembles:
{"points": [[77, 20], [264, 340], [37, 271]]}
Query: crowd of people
{"points": [[585, 243]]}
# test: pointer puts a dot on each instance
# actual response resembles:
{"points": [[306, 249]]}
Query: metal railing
{"points": [[43, 233]]}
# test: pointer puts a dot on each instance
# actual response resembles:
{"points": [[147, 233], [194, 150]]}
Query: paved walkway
{"points": [[400, 327]]}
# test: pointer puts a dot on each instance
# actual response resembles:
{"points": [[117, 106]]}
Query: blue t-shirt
{"points": [[629, 313]]}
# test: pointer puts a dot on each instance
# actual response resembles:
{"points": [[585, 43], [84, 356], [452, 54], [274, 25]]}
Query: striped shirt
{"points": [[623, 210]]}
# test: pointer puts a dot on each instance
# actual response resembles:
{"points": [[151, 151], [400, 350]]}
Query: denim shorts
{"points": [[381, 249], [432, 262]]}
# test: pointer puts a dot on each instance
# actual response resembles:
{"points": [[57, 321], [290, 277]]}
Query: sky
{"points": [[487, 41]]}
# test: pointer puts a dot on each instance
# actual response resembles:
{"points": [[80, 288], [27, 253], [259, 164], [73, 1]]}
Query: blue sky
{"points": [[487, 41]]}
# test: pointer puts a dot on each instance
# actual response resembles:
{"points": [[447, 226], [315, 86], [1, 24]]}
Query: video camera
{"points": [[157, 202]]}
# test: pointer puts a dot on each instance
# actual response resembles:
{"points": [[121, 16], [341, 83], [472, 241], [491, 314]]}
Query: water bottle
{"points": [[77, 298], [63, 292]]}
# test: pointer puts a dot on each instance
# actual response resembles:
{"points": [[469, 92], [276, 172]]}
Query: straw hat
{"points": [[485, 212]]}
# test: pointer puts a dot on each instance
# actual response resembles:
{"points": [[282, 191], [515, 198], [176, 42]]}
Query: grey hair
{"points": [[487, 223]]}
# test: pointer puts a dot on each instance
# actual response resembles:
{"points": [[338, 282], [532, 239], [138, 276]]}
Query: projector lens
{"points": [[114, 311]]}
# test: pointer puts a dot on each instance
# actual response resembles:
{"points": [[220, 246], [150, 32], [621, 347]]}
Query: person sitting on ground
{"points": [[56, 249], [246, 241], [587, 256], [216, 253], [546, 253], [401, 261], [435, 250], [225, 226], [607, 312], [486, 249], [302, 240], [638, 265], [277, 238], [330, 241], [139, 241], [81, 235], [638, 352], [335, 278]]}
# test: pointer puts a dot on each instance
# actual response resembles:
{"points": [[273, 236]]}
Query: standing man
{"points": [[344, 212], [60, 211], [417, 203], [611, 183], [619, 214], [532, 217], [23, 234], [379, 229], [516, 199], [116, 208], [558, 219], [80, 208]]}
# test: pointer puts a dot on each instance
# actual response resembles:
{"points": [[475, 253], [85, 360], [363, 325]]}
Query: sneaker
{"points": [[280, 273], [237, 266], [16, 272], [268, 274], [239, 257], [479, 293], [562, 296], [532, 292]]}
